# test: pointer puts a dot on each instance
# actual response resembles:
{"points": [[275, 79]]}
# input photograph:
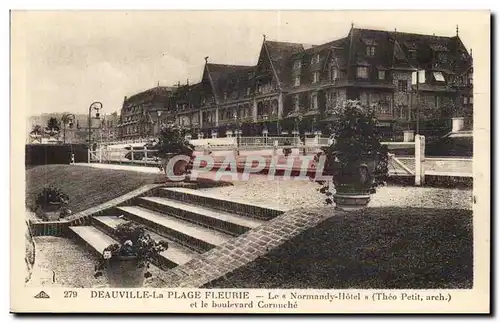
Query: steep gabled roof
{"points": [[394, 47], [221, 73], [279, 54], [159, 91]]}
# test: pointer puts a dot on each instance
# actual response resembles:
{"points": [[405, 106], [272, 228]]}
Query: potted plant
{"points": [[171, 143], [127, 263], [356, 160]]}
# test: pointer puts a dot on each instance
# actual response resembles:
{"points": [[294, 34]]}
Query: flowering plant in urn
{"points": [[135, 246], [356, 160], [172, 142]]}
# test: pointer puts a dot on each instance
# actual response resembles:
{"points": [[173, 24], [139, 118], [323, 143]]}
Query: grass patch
{"points": [[377, 248], [85, 186]]}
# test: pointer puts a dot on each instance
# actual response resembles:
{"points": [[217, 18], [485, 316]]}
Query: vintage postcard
{"points": [[250, 161]]}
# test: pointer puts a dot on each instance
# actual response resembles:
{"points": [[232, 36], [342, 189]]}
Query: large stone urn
{"points": [[353, 184], [124, 272]]}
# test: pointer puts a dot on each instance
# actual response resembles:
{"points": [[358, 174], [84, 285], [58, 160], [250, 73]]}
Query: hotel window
{"points": [[314, 101], [296, 103], [470, 79], [370, 51], [296, 81], [315, 59], [248, 91], [225, 95], [403, 86], [470, 100], [412, 54], [297, 64], [465, 100], [334, 74], [315, 77], [381, 75], [362, 72]]}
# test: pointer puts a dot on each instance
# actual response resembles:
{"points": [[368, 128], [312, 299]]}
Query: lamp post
{"points": [[237, 132], [97, 106], [68, 118], [158, 112]]}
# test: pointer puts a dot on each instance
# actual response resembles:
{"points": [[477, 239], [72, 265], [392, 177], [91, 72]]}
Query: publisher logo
{"points": [[42, 294]]}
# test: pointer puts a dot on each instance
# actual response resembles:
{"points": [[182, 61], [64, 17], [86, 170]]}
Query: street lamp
{"points": [[237, 132], [97, 106], [68, 118], [158, 112]]}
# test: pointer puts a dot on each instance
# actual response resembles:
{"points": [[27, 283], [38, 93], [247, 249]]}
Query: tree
{"points": [[53, 125], [36, 130]]}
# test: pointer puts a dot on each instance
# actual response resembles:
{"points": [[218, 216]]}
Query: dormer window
{"points": [[334, 73], [370, 51], [296, 81], [315, 59], [412, 54], [297, 64], [442, 57], [315, 77]]}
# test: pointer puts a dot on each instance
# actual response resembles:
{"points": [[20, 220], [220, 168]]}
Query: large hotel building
{"points": [[294, 87]]}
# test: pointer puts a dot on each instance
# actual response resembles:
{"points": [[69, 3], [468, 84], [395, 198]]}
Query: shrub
{"points": [[50, 195]]}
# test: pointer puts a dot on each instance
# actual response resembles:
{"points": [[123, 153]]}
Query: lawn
{"points": [[377, 248], [85, 186]]}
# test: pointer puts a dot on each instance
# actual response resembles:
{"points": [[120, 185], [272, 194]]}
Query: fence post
{"points": [[419, 160]]}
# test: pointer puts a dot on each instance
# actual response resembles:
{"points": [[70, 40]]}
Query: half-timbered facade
{"points": [[295, 87]]}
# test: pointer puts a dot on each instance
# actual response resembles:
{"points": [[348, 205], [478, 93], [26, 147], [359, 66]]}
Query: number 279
{"points": [[70, 294]]}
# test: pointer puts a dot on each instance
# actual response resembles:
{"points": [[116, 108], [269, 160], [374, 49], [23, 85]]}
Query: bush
{"points": [[50, 195]]}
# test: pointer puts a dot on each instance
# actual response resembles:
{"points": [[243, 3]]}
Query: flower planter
{"points": [[123, 272], [353, 187]]}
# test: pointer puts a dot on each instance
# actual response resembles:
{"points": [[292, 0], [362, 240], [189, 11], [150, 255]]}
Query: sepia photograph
{"points": [[202, 154]]}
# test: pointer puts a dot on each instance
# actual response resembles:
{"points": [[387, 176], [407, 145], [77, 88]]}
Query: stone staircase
{"points": [[191, 221]]}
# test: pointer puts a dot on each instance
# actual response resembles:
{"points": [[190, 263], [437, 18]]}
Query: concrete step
{"points": [[262, 212], [188, 234], [93, 238], [204, 216], [175, 254]]}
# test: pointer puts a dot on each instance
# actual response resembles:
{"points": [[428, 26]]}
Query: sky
{"points": [[73, 58]]}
